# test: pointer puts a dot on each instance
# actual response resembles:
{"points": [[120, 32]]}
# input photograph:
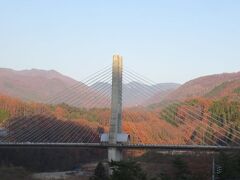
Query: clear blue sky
{"points": [[165, 40]]}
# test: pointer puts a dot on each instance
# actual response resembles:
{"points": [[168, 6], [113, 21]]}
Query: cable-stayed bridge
{"points": [[120, 118]]}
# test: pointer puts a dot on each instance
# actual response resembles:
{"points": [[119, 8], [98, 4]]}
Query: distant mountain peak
{"points": [[33, 84]]}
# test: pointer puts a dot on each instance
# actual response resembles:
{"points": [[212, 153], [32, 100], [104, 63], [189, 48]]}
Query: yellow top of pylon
{"points": [[117, 59]]}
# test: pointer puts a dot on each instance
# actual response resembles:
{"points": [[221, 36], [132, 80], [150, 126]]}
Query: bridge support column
{"points": [[115, 154]]}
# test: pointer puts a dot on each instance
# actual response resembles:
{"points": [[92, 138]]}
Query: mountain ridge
{"points": [[201, 85], [39, 85]]}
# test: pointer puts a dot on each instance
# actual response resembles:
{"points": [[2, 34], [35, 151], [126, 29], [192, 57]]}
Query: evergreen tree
{"points": [[127, 170], [100, 173]]}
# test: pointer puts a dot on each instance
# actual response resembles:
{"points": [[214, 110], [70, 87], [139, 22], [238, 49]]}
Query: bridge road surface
{"points": [[129, 146]]}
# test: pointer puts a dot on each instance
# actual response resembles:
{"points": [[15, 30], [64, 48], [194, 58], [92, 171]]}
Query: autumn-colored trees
{"points": [[225, 111], [178, 123]]}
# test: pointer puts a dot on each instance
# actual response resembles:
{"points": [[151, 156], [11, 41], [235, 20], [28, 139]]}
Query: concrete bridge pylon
{"points": [[115, 135]]}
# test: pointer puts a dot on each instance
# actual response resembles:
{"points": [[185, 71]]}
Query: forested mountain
{"points": [[46, 86], [34, 85], [210, 105], [217, 104], [204, 85]]}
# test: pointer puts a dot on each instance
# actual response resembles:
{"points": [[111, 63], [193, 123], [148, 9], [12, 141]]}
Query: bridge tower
{"points": [[116, 109], [115, 135]]}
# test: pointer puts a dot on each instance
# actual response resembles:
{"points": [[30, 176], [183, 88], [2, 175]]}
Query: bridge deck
{"points": [[130, 146]]}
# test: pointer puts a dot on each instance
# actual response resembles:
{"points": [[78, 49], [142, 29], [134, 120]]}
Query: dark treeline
{"points": [[46, 160]]}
